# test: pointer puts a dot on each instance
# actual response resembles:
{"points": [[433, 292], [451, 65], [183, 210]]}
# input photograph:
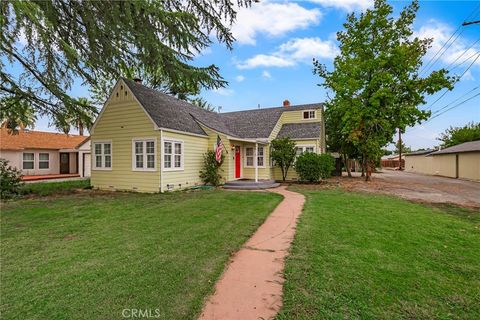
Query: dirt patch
{"points": [[415, 187]]}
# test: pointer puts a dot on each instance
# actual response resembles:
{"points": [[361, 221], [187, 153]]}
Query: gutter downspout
{"points": [[161, 161], [256, 162]]}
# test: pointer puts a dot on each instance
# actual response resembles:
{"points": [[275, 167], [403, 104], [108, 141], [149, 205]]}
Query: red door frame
{"points": [[238, 162]]}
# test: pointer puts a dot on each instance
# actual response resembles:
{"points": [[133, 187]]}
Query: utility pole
{"points": [[471, 22], [400, 148]]}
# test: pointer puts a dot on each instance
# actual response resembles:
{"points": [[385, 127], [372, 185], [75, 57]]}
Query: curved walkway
{"points": [[251, 286]]}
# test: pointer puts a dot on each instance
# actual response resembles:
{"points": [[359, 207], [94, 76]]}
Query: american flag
{"points": [[218, 149]]}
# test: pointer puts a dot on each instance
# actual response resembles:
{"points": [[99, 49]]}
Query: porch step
{"points": [[250, 184]]}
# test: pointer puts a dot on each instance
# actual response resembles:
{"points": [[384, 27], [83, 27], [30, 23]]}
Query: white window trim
{"points": [[304, 146], [33, 160], [134, 160], [43, 161], [162, 155], [94, 158], [254, 156], [314, 118]]}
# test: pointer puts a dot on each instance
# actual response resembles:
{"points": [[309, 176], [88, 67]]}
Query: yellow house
{"points": [[148, 141]]}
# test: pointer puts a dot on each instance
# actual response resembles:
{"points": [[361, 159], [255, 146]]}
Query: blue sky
{"points": [[276, 41]]}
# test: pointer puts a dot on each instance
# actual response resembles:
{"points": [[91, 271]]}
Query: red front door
{"points": [[237, 161]]}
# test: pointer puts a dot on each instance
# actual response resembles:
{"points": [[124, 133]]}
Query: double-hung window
{"points": [[308, 114], [172, 155], [43, 161], [144, 154], [302, 149], [261, 157], [250, 156], [28, 160], [102, 155]]}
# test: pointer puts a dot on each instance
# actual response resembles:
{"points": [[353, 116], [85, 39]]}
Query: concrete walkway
{"points": [[251, 286]]}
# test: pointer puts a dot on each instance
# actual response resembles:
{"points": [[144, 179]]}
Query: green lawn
{"points": [[360, 256], [89, 256], [54, 188]]}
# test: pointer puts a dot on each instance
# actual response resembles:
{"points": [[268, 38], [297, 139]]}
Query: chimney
{"points": [[286, 103], [137, 80]]}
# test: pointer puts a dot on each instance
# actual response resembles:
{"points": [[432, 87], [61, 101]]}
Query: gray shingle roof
{"points": [[169, 112], [300, 130], [419, 152], [459, 148]]}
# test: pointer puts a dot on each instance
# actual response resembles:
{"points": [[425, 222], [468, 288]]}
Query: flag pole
{"points": [[224, 147]]}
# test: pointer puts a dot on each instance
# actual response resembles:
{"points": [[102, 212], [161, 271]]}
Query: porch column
{"points": [[256, 162]]}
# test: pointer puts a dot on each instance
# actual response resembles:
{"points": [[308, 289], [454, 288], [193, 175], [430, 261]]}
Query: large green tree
{"points": [[456, 135], [80, 119], [375, 81], [55, 42], [16, 113]]}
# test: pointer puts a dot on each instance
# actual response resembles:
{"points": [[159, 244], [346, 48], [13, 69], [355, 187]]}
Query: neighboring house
{"points": [[461, 161], [41, 153], [392, 161], [148, 141]]}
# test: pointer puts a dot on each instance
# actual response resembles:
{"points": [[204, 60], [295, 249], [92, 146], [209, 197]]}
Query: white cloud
{"points": [[273, 19], [468, 76], [266, 74], [292, 52], [456, 53], [263, 60], [240, 78], [348, 5], [224, 92], [308, 48]]}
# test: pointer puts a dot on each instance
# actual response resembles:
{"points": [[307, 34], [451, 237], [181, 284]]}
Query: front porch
{"points": [[29, 178], [249, 162], [250, 184]]}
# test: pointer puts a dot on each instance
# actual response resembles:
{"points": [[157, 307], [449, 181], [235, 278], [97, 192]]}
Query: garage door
{"points": [[87, 163]]}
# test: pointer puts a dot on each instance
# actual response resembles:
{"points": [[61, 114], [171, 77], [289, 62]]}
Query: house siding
{"points": [[122, 120], [228, 166], [193, 150], [263, 172], [15, 159]]}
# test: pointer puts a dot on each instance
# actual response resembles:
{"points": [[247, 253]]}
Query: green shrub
{"points": [[10, 180], [327, 165], [311, 166], [210, 173], [308, 167]]}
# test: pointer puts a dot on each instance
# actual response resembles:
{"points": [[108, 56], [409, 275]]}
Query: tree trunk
{"points": [[80, 128], [363, 166], [347, 166], [368, 175]]}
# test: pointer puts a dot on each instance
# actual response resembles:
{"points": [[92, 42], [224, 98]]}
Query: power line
{"points": [[430, 64], [455, 106], [470, 57], [464, 72], [451, 102], [458, 58]]}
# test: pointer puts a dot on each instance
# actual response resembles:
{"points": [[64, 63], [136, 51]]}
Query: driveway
{"points": [[422, 188]]}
